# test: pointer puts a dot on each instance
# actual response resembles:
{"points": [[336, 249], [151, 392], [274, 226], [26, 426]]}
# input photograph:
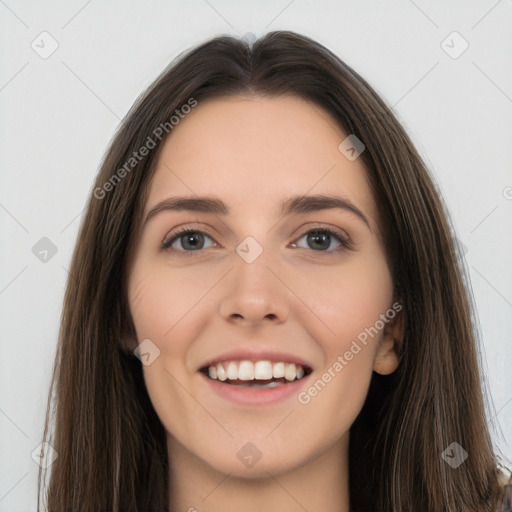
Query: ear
{"points": [[387, 356]]}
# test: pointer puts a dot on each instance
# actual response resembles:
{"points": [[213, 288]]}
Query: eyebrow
{"points": [[292, 206]]}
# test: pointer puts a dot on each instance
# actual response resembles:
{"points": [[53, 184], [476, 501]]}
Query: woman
{"points": [[267, 310]]}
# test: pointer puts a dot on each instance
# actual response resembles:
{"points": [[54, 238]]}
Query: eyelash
{"points": [[168, 242]]}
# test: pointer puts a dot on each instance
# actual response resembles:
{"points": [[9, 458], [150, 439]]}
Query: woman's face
{"points": [[253, 281]]}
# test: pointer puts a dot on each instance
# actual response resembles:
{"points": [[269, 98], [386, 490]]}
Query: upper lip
{"points": [[256, 355]]}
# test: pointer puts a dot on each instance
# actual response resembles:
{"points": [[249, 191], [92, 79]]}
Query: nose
{"points": [[254, 293]]}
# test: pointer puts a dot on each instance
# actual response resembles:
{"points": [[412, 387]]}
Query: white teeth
{"points": [[290, 371], [278, 370], [246, 370], [232, 372], [260, 370], [221, 373]]}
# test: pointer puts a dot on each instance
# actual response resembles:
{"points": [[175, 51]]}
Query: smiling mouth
{"points": [[262, 374]]}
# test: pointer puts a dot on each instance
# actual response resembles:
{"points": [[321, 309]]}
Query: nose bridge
{"points": [[254, 292]]}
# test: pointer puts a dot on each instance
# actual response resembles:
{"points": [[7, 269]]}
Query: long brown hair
{"points": [[111, 445]]}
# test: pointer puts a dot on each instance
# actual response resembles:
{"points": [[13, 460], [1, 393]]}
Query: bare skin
{"points": [[311, 300]]}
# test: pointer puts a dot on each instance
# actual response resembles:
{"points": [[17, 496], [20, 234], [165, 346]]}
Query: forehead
{"points": [[253, 152]]}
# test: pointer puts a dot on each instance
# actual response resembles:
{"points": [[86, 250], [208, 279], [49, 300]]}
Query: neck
{"points": [[321, 483]]}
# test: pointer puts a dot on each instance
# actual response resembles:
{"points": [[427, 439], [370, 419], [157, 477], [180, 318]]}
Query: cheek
{"points": [[166, 308], [349, 300], [161, 297], [336, 396], [348, 303]]}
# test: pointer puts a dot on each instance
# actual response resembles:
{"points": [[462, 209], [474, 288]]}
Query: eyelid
{"points": [[319, 226], [175, 233]]}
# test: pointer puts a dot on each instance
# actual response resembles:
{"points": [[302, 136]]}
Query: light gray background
{"points": [[58, 115]]}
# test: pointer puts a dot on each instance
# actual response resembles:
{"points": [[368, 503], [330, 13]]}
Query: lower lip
{"points": [[255, 396]]}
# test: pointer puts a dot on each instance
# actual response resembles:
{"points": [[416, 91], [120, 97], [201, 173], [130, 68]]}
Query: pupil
{"points": [[189, 238], [318, 235]]}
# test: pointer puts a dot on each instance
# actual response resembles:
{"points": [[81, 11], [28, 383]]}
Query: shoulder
{"points": [[504, 502]]}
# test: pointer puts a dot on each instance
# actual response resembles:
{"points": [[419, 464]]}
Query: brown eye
{"points": [[320, 240], [190, 240]]}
